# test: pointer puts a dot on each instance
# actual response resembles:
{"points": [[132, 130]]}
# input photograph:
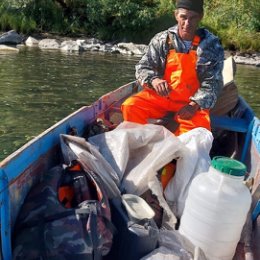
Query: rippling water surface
{"points": [[248, 82], [38, 88]]}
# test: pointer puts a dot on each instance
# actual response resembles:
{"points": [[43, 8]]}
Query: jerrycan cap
{"points": [[228, 166]]}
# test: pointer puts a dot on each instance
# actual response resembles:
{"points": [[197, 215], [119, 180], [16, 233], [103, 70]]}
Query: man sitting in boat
{"points": [[181, 73]]}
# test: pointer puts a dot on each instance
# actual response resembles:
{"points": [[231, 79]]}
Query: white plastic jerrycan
{"points": [[216, 209]]}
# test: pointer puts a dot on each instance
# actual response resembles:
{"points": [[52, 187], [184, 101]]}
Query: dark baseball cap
{"points": [[194, 5]]}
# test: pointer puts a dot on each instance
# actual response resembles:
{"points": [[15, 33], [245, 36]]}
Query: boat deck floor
{"points": [[256, 239]]}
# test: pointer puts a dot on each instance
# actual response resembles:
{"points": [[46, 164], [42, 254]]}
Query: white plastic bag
{"points": [[174, 246], [137, 152], [78, 148], [196, 160]]}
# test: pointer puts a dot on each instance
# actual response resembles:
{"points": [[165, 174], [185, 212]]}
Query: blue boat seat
{"points": [[256, 211], [228, 123], [240, 125]]}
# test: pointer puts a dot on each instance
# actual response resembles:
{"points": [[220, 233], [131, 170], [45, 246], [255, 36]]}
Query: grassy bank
{"points": [[236, 22]]}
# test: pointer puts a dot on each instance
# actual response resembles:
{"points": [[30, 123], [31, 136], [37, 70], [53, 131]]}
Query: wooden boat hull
{"points": [[22, 169]]}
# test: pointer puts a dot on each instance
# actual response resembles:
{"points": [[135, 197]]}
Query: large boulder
{"points": [[107, 47], [4, 48], [11, 37], [90, 44], [70, 46], [49, 44], [131, 48], [248, 59], [31, 42]]}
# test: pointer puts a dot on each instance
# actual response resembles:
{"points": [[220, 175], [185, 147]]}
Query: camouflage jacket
{"points": [[209, 64]]}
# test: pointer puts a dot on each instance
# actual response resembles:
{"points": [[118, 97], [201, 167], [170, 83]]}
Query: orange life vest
{"points": [[180, 73]]}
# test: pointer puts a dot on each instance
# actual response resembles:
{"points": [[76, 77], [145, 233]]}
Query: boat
{"points": [[236, 129]]}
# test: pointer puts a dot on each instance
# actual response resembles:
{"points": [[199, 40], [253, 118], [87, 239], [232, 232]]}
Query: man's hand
{"points": [[160, 86], [188, 111]]}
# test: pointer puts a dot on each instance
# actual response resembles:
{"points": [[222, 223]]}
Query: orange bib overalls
{"points": [[181, 76]]}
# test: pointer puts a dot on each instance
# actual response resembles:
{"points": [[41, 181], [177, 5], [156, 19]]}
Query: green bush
{"points": [[116, 20], [19, 23], [236, 22], [28, 25], [166, 7], [5, 22]]}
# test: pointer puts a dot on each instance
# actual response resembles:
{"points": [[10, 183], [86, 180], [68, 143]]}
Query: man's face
{"points": [[187, 23]]}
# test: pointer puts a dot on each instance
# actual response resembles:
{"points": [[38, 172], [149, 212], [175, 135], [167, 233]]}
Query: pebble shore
{"points": [[13, 41]]}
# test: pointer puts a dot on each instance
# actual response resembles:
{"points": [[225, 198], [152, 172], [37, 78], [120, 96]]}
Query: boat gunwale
{"points": [[100, 106]]}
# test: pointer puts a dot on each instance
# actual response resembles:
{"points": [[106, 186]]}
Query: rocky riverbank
{"points": [[13, 41]]}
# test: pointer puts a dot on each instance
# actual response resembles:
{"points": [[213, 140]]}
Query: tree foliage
{"points": [[101, 18], [236, 22]]}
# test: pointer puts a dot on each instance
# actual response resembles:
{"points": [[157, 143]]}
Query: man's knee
{"points": [[132, 113]]}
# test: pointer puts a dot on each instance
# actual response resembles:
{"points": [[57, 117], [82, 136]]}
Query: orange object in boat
{"points": [[181, 76], [75, 167], [167, 173], [66, 195]]}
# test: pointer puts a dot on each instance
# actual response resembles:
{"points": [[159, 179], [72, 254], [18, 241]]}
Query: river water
{"points": [[38, 88]]}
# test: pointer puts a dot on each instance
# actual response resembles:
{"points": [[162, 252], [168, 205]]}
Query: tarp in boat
{"points": [[136, 152]]}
